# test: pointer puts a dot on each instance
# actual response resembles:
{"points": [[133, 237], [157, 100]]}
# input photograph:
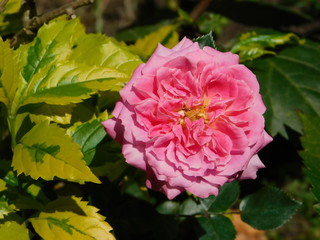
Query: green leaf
{"points": [[268, 208], [88, 135], [113, 168], [9, 73], [253, 45], [227, 196], [168, 207], [311, 153], [71, 218], [205, 40], [209, 21], [46, 151], [165, 35], [189, 207], [108, 161], [289, 84], [217, 227], [11, 227]]}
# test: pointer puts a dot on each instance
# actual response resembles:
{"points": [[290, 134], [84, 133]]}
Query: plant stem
{"points": [[3, 5], [199, 9], [36, 22]]}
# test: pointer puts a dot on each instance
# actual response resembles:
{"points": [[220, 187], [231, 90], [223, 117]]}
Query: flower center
{"points": [[194, 113]]}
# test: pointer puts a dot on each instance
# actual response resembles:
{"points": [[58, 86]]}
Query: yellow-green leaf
{"points": [[99, 50], [70, 83], [53, 113], [9, 73], [6, 208], [253, 45], [12, 6], [13, 230], [165, 35], [2, 185], [69, 218], [46, 151], [63, 65], [53, 43]]}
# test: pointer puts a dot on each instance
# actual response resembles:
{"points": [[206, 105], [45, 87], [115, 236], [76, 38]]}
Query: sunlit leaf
{"points": [[53, 44], [12, 227], [289, 84], [63, 65], [71, 218], [12, 6], [46, 151], [253, 45], [9, 73], [70, 83], [2, 185], [99, 50], [132, 34], [7, 15], [53, 113], [6, 208], [165, 35]]}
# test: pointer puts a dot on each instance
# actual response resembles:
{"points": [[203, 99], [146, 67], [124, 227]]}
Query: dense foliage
{"points": [[58, 167]]}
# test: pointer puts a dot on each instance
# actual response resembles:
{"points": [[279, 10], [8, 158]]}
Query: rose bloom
{"points": [[192, 119]]}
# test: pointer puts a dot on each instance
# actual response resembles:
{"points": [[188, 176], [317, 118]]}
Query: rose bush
{"points": [[191, 118]]}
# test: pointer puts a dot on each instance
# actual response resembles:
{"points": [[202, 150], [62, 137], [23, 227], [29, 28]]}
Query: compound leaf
{"points": [[63, 65]]}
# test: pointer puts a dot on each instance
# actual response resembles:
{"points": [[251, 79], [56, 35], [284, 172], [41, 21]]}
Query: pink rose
{"points": [[192, 119]]}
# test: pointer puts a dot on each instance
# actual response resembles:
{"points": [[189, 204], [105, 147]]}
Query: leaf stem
{"points": [[207, 213]]}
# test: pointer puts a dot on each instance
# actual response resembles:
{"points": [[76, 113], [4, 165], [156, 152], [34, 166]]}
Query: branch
{"points": [[36, 22], [3, 5], [199, 9]]}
